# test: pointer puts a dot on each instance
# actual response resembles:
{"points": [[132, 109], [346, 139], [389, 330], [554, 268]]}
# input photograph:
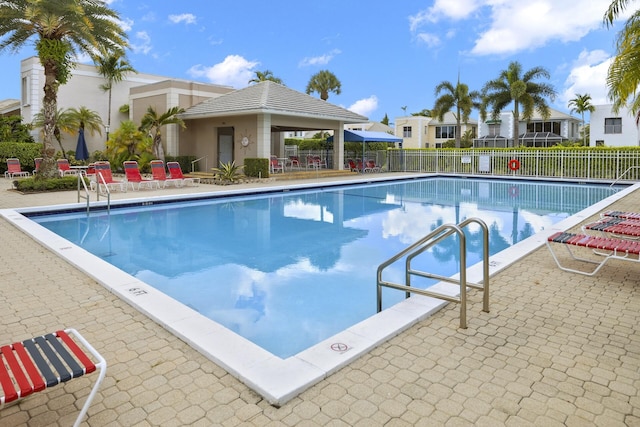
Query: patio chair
{"points": [[36, 364], [14, 169], [175, 172], [352, 165], [133, 176], [616, 227], [622, 214], [159, 174], [320, 162], [104, 178], [294, 162], [370, 166], [603, 249], [275, 165], [64, 168], [37, 161]]}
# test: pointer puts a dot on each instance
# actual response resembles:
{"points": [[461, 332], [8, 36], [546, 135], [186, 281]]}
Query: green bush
{"points": [[37, 184], [24, 151], [185, 162], [256, 168]]}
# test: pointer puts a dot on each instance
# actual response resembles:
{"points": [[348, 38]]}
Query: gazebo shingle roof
{"points": [[274, 98]]}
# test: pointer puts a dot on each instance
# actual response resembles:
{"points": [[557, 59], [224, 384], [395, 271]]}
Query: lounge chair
{"points": [[45, 361], [37, 161], [14, 169], [175, 172], [64, 168], [320, 162], [616, 227], [622, 214], [160, 175], [275, 165], [104, 178], [352, 165], [604, 248], [133, 176], [370, 166]]}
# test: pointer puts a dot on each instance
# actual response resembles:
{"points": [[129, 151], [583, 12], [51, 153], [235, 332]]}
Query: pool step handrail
{"points": [[623, 174], [427, 242], [87, 194]]}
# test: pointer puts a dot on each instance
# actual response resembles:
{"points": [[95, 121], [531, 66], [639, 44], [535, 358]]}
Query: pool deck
{"points": [[556, 349]]}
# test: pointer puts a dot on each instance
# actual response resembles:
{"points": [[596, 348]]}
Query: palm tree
{"points": [[63, 28], [113, 66], [520, 88], [324, 82], [128, 142], [266, 75], [457, 97], [61, 123], [153, 123], [580, 104], [623, 76]]}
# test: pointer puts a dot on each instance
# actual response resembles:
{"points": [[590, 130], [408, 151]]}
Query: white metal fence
{"points": [[621, 165]]}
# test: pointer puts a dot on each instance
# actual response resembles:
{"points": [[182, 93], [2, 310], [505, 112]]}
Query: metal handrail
{"points": [[623, 174], [206, 163], [86, 195], [100, 177], [427, 242]]}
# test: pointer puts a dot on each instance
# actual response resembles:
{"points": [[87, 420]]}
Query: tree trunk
{"points": [[48, 167], [158, 151]]}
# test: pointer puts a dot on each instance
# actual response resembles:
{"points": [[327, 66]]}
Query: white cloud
{"points": [[142, 43], [365, 106], [187, 18], [431, 40], [588, 75], [511, 25], [233, 71], [126, 24], [319, 60]]}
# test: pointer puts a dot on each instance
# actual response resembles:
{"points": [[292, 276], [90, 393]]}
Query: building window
{"points": [[494, 129], [613, 125], [446, 132], [26, 93], [599, 143], [552, 126], [406, 132]]}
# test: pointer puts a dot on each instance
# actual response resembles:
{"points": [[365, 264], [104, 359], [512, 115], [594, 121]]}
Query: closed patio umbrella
{"points": [[82, 153]]}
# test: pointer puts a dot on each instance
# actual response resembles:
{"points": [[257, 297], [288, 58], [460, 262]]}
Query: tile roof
{"points": [[273, 98]]}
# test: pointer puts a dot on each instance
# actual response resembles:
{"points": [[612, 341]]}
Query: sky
{"points": [[388, 56]]}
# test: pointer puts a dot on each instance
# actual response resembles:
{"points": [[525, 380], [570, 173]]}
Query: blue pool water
{"points": [[289, 269]]}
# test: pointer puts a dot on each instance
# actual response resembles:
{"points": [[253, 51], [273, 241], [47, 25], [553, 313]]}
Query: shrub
{"points": [[256, 168], [36, 184], [24, 151]]}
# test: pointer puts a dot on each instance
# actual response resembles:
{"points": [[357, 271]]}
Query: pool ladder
{"points": [[427, 242], [82, 185]]}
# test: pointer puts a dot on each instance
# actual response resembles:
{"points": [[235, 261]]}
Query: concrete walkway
{"points": [[557, 349]]}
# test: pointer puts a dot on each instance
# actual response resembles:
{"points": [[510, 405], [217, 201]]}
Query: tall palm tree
{"points": [[323, 82], [623, 77], [266, 75], [113, 66], [580, 104], [459, 98], [153, 123], [63, 28], [520, 88]]}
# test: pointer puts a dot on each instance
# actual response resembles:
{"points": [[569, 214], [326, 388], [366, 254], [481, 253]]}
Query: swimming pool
{"points": [[311, 234]]}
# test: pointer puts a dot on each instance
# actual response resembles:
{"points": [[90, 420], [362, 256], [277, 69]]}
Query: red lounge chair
{"points": [[352, 165], [14, 169], [617, 227], [294, 162], [65, 169], [133, 176], [104, 178], [175, 172], [37, 161], [160, 175], [275, 165], [370, 166], [622, 214], [605, 248], [38, 363]]}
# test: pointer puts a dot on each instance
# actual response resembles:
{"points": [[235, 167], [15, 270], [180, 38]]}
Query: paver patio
{"points": [[556, 349]]}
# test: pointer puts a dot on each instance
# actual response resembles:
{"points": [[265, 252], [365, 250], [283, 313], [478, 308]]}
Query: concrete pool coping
{"points": [[276, 379]]}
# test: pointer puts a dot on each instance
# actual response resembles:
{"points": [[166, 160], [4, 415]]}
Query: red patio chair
{"points": [[65, 169], [133, 176], [104, 178], [14, 169], [175, 172], [160, 175]]}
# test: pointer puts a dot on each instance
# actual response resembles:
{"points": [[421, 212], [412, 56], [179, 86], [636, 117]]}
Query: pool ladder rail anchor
{"points": [[427, 242]]}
